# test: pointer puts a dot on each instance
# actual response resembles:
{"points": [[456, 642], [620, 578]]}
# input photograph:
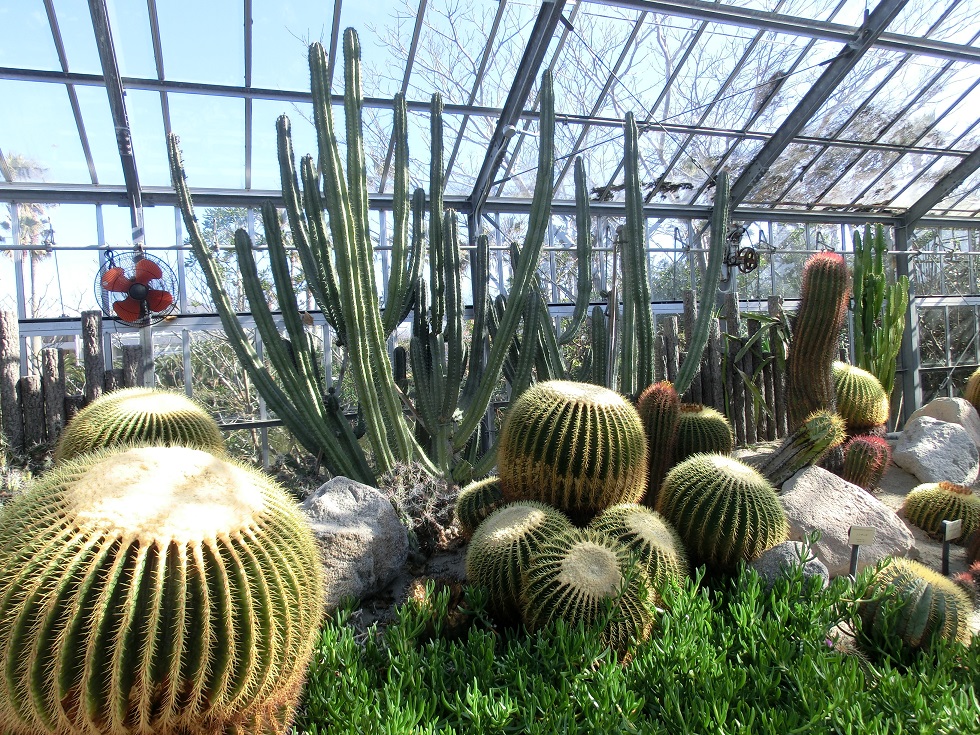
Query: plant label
{"points": [[861, 535], [952, 530]]}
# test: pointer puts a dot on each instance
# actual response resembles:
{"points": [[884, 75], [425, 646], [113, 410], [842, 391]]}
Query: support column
{"points": [[911, 383]]}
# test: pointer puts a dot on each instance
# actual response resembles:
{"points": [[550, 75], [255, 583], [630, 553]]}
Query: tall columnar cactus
{"points": [[659, 407], [804, 447], [861, 399], [927, 506], [971, 391], [702, 429], [575, 446], [724, 510], [142, 415], [865, 460], [816, 328], [155, 589], [476, 502], [583, 252], [913, 607], [576, 575], [500, 551]]}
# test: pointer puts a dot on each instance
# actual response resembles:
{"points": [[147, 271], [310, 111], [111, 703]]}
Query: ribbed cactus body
{"points": [[702, 429], [971, 391], [575, 575], [155, 589], [501, 549], [914, 608], [659, 407], [826, 288], [724, 510], [803, 447], [140, 415], [860, 398], [927, 506], [575, 446], [476, 501], [866, 458], [645, 533]]}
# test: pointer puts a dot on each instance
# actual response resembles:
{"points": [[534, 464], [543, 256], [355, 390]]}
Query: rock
{"points": [[780, 559], [362, 543], [954, 411], [935, 450], [816, 499]]}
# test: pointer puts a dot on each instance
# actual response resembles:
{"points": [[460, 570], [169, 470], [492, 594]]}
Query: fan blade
{"points": [[128, 309], [158, 300], [146, 271], [114, 280]]}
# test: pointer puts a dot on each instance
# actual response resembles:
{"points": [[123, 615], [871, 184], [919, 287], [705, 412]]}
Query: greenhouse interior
{"points": [[531, 367]]}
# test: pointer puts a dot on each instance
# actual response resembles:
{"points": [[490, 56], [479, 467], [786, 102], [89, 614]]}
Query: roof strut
{"points": [[942, 188]]}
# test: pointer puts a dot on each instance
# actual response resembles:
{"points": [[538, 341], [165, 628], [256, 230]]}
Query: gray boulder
{"points": [[780, 559], [953, 411], [363, 545], [935, 450], [816, 499]]}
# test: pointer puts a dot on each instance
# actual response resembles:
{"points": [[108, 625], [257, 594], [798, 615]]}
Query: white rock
{"points": [[362, 543], [954, 411], [816, 499], [935, 450], [780, 560]]}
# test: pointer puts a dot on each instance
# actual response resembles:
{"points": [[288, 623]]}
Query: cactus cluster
{"points": [[155, 589], [861, 400], [803, 447], [928, 505], [701, 429], [866, 458], [476, 501], [659, 407], [140, 415]]}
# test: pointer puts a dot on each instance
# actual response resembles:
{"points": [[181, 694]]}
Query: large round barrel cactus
{"points": [[575, 446], [155, 590], [576, 575], [912, 607], [927, 506], [971, 391], [866, 458], [501, 548], [826, 288], [476, 501], [701, 429], [140, 415], [659, 407], [861, 400], [724, 510]]}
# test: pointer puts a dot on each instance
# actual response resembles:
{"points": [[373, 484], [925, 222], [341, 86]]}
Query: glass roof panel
{"points": [[203, 42], [472, 151], [100, 132], [965, 197], [918, 16], [782, 173], [281, 34], [75, 24], [862, 175], [265, 157], [31, 46], [212, 137], [913, 178], [818, 173], [149, 138], [736, 157], [131, 36], [960, 26]]}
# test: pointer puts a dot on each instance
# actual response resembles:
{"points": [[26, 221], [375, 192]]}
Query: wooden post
{"points": [[73, 404], [53, 385], [715, 357], [751, 433], [12, 423], [660, 356], [671, 347], [132, 366], [690, 315], [32, 407], [113, 379], [775, 308], [761, 421], [736, 390], [767, 379], [92, 355]]}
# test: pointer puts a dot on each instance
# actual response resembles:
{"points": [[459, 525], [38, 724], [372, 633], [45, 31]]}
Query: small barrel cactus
{"points": [[575, 446], [501, 549], [701, 429], [927, 506], [645, 533], [659, 407], [866, 458], [971, 391], [860, 398], [912, 606], [576, 575], [155, 589], [140, 415], [476, 501], [724, 510], [803, 447]]}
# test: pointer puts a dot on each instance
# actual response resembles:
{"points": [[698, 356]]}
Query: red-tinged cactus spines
{"points": [[659, 407], [476, 501], [805, 446], [702, 429], [866, 458], [816, 329], [969, 582], [575, 446], [928, 505], [860, 398], [971, 391]]}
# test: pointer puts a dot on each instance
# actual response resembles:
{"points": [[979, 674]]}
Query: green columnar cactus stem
{"points": [[142, 415], [914, 607], [805, 446], [659, 407], [972, 390], [861, 399], [600, 347], [501, 548], [927, 506], [575, 446], [813, 347], [709, 286], [865, 460], [644, 532], [476, 501], [437, 248], [479, 277], [702, 429], [724, 510], [583, 251], [575, 575], [155, 589]]}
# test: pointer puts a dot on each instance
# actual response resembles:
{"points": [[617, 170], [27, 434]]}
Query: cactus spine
{"points": [[813, 347], [659, 407], [866, 458], [702, 429], [803, 447], [861, 399], [927, 506], [476, 501]]}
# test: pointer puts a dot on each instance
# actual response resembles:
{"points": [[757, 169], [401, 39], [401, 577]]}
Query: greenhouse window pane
{"points": [[917, 176], [265, 157], [75, 25], [100, 131], [212, 138], [281, 35], [961, 25], [149, 138], [203, 42], [27, 41], [919, 16], [932, 336]]}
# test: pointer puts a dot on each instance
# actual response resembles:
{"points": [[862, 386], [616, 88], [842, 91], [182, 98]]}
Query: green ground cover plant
{"points": [[725, 657]]}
